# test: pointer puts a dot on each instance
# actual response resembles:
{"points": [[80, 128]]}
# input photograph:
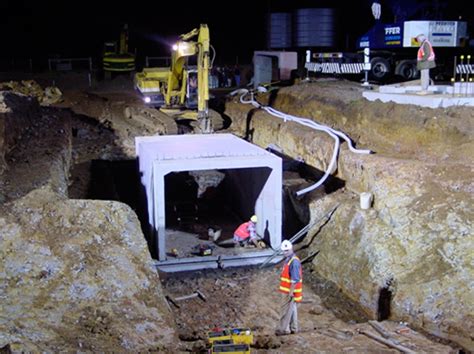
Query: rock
{"points": [[76, 275], [78, 271], [206, 179], [316, 310], [266, 342], [46, 97]]}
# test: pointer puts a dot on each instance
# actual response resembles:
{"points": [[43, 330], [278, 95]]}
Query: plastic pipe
{"points": [[335, 134]]}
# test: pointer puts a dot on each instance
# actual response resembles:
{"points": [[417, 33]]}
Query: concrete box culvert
{"points": [[254, 173]]}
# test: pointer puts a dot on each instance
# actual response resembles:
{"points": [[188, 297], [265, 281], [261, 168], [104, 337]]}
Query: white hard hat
{"points": [[254, 218], [286, 245]]}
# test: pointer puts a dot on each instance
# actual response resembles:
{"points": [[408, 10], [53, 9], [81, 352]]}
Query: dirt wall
{"points": [[416, 239]]}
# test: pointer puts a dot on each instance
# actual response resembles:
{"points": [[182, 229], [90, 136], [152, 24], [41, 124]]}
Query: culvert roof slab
{"points": [[186, 147], [160, 155]]}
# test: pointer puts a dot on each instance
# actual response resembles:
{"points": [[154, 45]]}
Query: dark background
{"points": [[31, 29]]}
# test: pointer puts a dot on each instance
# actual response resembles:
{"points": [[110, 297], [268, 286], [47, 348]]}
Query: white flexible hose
{"points": [[335, 134]]}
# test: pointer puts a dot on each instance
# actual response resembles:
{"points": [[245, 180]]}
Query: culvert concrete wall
{"points": [[255, 172]]}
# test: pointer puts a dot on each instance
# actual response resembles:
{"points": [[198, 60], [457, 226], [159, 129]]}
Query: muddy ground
{"points": [[247, 297]]}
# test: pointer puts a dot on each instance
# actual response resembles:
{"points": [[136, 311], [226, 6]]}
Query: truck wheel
{"points": [[407, 70], [380, 68]]}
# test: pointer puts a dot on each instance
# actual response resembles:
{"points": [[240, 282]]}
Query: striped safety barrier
{"points": [[465, 69], [336, 68]]}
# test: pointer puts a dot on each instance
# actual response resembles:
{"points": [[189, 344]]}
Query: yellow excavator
{"points": [[181, 90], [117, 58]]}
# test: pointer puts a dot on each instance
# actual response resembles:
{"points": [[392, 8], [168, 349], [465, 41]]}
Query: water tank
{"points": [[315, 28], [279, 30]]}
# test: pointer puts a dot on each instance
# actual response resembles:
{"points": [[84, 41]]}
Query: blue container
{"points": [[279, 31], [314, 27]]}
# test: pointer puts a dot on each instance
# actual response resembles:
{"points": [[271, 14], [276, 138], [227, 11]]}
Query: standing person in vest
{"points": [[425, 61], [291, 286], [246, 233]]}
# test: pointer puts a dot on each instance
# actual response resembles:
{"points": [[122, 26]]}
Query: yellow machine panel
{"points": [[231, 341]]}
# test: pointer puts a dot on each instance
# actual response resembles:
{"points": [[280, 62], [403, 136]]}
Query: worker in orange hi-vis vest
{"points": [[425, 61], [246, 233], [291, 287]]}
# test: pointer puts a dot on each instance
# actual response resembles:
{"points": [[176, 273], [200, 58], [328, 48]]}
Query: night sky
{"points": [[79, 28]]}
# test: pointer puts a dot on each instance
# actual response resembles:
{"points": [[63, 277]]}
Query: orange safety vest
{"points": [[242, 231], [285, 281], [421, 52]]}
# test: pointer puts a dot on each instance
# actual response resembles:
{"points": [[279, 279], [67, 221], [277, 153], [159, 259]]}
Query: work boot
{"points": [[282, 333]]}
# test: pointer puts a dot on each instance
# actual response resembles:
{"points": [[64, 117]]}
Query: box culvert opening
{"points": [[205, 207]]}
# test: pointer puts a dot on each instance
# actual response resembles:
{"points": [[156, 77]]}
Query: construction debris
{"points": [[195, 294], [204, 249], [337, 334], [214, 233], [387, 342], [379, 328], [45, 97]]}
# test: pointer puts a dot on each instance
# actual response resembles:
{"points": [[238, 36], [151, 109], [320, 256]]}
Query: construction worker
{"points": [[246, 233], [425, 61], [291, 286]]}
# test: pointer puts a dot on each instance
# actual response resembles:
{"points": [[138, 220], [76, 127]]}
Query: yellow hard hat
{"points": [[254, 218]]}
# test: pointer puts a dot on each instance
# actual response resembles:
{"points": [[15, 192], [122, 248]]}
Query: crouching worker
{"points": [[246, 233]]}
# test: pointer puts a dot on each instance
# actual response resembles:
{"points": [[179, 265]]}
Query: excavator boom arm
{"points": [[177, 80], [182, 86]]}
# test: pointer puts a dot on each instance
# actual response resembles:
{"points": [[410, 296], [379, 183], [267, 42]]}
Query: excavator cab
{"points": [[192, 89], [110, 48]]}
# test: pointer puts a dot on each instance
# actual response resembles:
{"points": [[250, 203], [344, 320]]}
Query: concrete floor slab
{"points": [[161, 155], [438, 96]]}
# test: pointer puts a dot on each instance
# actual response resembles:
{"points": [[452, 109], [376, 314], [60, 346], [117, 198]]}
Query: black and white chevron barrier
{"points": [[465, 69], [335, 68]]}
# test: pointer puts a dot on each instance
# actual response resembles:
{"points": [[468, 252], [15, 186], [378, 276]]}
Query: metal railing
{"points": [[463, 72], [65, 64], [13, 64]]}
